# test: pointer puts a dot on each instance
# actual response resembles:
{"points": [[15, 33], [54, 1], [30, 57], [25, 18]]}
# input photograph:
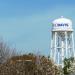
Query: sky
{"points": [[26, 24]]}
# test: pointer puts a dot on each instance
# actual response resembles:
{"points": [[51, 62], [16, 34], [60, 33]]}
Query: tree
{"points": [[68, 65], [5, 52]]}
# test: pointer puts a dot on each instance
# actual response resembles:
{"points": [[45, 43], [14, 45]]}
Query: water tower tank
{"points": [[62, 24]]}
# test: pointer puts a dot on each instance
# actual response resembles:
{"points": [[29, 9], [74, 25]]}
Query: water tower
{"points": [[62, 41]]}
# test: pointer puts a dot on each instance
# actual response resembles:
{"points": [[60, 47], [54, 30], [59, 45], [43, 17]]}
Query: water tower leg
{"points": [[51, 52], [55, 35], [73, 45], [66, 45]]}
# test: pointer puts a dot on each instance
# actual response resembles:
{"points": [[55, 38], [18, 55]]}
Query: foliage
{"points": [[26, 65], [67, 65]]}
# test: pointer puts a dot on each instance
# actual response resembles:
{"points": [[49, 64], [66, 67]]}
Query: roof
{"points": [[62, 20]]}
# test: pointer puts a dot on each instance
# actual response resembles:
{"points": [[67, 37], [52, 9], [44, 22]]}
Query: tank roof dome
{"points": [[62, 20]]}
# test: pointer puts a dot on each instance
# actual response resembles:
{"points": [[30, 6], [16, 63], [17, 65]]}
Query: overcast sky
{"points": [[26, 24]]}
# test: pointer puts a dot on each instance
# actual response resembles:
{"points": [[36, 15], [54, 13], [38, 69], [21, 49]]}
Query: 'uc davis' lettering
{"points": [[61, 24]]}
